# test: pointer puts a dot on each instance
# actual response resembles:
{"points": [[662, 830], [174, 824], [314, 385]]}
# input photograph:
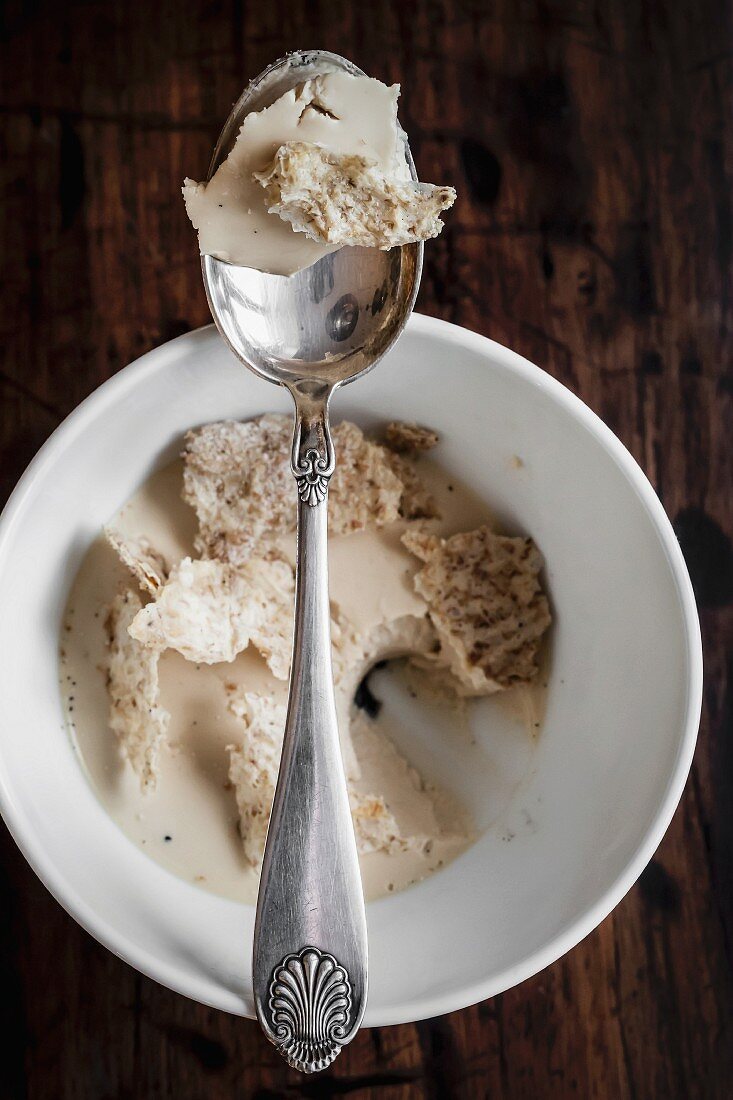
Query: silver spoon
{"points": [[310, 332]]}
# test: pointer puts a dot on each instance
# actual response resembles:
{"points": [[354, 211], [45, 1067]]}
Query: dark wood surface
{"points": [[590, 141]]}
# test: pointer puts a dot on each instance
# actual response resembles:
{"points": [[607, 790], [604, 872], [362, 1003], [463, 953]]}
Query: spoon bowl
{"points": [[334, 320]]}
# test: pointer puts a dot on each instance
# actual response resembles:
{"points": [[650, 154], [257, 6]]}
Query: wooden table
{"points": [[594, 234]]}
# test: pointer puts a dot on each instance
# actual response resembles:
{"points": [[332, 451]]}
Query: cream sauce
{"points": [[189, 824], [347, 114]]}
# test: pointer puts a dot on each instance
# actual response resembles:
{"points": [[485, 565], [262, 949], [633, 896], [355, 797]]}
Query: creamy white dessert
{"points": [[247, 216], [175, 666]]}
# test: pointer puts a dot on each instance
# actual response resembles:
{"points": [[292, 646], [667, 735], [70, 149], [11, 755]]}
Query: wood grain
{"points": [[592, 147]]}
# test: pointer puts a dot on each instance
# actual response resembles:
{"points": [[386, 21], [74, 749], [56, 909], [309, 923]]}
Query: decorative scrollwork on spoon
{"points": [[312, 476], [312, 470], [310, 1007]]}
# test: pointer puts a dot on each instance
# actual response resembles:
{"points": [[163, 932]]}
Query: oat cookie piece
{"points": [[237, 478], [254, 764], [253, 768], [416, 501], [364, 491], [209, 611], [486, 603], [337, 198], [135, 715], [376, 828], [408, 438], [146, 564]]}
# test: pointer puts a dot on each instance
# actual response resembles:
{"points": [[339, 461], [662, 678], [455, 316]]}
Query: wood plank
{"points": [[591, 145]]}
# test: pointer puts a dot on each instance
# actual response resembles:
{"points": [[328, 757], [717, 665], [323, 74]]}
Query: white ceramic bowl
{"points": [[624, 697]]}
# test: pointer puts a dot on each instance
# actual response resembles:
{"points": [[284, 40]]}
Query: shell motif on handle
{"points": [[310, 1006]]}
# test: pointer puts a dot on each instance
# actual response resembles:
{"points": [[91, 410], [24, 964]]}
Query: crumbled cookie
{"points": [[237, 477], [376, 828], [484, 619], [416, 502], [364, 491], [486, 603], [209, 611], [253, 768], [405, 437], [145, 563], [337, 198], [404, 440], [136, 717]]}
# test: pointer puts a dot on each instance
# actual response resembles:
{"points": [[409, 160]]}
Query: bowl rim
{"points": [[576, 930]]}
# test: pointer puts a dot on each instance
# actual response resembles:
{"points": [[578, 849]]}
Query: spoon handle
{"points": [[310, 947]]}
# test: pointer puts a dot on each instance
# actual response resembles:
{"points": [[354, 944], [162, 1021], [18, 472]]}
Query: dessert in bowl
{"points": [[176, 646], [569, 820]]}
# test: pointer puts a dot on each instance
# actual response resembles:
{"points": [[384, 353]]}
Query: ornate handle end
{"points": [[309, 1007]]}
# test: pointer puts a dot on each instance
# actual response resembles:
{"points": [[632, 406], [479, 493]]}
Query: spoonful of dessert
{"points": [[311, 224]]}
